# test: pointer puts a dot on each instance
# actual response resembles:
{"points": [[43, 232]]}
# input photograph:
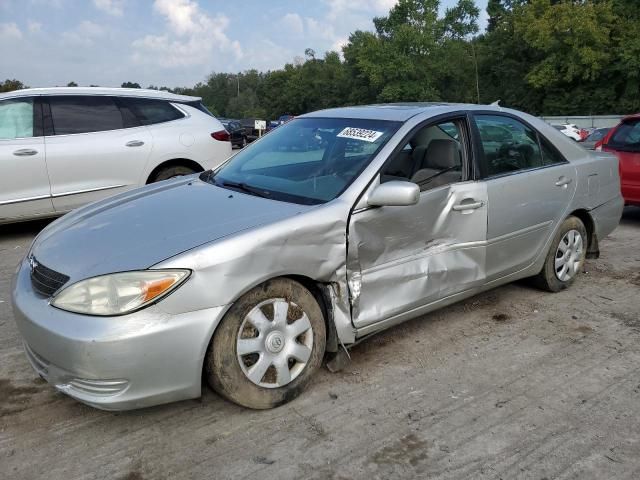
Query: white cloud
{"points": [[194, 38], [292, 22], [34, 27], [339, 44], [184, 16], [10, 31], [318, 29], [112, 7], [84, 34], [338, 8]]}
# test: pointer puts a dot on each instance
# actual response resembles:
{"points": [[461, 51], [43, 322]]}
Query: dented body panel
{"points": [[413, 255]]}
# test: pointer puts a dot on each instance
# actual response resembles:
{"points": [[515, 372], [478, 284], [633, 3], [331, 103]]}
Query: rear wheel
{"points": [[565, 258], [171, 172], [268, 345]]}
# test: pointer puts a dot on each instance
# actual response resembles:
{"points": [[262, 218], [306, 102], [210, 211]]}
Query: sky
{"points": [[170, 42]]}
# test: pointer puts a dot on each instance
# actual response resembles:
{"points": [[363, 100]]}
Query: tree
{"points": [[414, 52], [11, 85], [541, 56], [72, 84]]}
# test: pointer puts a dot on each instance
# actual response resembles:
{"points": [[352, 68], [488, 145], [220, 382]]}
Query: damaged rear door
{"points": [[402, 258]]}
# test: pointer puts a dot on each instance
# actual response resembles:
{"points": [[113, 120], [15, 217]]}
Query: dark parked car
{"points": [[594, 137], [250, 131], [280, 121], [236, 132]]}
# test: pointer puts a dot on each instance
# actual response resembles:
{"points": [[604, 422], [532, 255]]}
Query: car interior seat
{"points": [[441, 162]]}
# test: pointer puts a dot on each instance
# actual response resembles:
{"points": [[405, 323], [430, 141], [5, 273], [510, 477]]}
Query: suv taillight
{"points": [[598, 146], [222, 136]]}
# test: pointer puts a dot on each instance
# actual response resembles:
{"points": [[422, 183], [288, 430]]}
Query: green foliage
{"points": [[541, 56], [130, 85], [11, 85]]}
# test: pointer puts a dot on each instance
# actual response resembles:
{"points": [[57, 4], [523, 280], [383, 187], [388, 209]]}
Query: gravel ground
{"points": [[513, 383]]}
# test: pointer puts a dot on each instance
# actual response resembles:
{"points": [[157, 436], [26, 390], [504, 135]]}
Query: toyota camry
{"points": [[334, 226]]}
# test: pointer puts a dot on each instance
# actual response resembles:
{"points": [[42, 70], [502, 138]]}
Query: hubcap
{"points": [[569, 256], [274, 343]]}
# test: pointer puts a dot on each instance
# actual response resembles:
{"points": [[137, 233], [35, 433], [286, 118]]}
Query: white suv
{"points": [[61, 148]]}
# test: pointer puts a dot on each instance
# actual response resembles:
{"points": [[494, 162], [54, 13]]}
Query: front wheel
{"points": [[267, 346], [565, 258]]}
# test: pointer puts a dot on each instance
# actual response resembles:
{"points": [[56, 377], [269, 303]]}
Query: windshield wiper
{"points": [[243, 187]]}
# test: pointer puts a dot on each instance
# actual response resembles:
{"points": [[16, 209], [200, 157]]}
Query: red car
{"points": [[624, 141]]}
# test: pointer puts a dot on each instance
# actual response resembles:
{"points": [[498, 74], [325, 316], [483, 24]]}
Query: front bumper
{"points": [[114, 363]]}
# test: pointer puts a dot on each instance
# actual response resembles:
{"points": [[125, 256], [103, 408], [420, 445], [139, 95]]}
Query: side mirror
{"points": [[394, 194]]}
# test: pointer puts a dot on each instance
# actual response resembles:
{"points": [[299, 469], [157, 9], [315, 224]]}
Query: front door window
{"points": [[431, 158]]}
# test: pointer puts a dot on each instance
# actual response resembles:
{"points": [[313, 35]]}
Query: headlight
{"points": [[118, 293]]}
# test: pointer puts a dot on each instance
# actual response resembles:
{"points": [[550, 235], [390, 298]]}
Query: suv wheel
{"points": [[171, 172]]}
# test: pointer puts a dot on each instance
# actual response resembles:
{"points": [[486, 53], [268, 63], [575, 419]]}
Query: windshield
{"points": [[307, 160]]}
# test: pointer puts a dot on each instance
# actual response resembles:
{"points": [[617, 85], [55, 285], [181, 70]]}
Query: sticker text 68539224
{"points": [[360, 134]]}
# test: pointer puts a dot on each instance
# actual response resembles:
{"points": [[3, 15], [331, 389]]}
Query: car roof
{"points": [[124, 92], [634, 116], [400, 112]]}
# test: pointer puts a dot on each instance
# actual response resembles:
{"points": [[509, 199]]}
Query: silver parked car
{"points": [[336, 225]]}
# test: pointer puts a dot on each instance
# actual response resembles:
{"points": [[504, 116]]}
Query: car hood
{"points": [[140, 228]]}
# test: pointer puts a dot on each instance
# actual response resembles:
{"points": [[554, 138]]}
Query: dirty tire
{"points": [[222, 365], [547, 278], [172, 172]]}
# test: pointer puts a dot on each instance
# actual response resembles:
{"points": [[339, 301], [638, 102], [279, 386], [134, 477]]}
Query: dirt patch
{"points": [[635, 280], [501, 317], [628, 320], [607, 271], [135, 475], [484, 300], [15, 398], [409, 449], [583, 329]]}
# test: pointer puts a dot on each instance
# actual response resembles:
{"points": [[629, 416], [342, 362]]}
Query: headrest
{"points": [[442, 154], [417, 156]]}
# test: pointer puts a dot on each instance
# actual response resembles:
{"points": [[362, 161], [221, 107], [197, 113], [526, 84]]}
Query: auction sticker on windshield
{"points": [[360, 134]]}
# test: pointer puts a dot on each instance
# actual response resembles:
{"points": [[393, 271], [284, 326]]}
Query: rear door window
{"points": [[198, 105], [152, 111], [73, 114], [626, 136], [16, 118], [509, 145]]}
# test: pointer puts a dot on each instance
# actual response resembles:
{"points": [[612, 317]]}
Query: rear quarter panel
{"points": [[188, 138], [598, 180]]}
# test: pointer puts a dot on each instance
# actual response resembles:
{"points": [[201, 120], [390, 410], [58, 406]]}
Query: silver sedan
{"points": [[334, 226]]}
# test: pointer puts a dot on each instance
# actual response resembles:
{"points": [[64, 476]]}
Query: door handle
{"points": [[563, 181], [461, 207], [25, 152], [134, 143]]}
